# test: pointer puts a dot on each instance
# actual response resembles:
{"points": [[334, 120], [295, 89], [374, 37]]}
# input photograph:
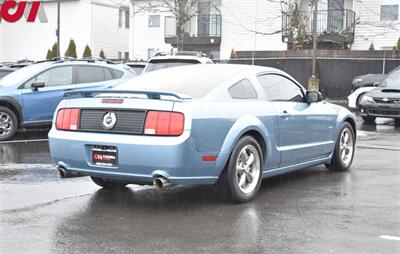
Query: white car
{"points": [[163, 62], [355, 97]]}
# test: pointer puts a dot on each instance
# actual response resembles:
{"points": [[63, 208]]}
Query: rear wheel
{"points": [[369, 119], [242, 177], [108, 184], [344, 149], [8, 123]]}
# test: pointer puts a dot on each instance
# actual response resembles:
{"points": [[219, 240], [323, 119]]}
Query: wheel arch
{"points": [[12, 105], [250, 126]]}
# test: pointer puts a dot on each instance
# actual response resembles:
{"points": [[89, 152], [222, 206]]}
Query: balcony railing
{"points": [[332, 25], [197, 26]]}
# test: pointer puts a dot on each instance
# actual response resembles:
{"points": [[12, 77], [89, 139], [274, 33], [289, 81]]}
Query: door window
{"points": [[90, 74], [280, 88], [59, 76]]}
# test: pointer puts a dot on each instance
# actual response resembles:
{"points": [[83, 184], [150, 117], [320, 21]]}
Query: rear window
{"points": [[195, 81], [159, 64]]}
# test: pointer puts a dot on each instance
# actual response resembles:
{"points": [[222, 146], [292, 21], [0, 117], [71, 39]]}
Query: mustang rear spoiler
{"points": [[150, 94]]}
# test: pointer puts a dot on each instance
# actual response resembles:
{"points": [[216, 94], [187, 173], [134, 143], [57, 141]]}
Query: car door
{"points": [[39, 106], [94, 77], [302, 129]]}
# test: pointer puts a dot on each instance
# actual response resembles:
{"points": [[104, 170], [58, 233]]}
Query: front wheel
{"points": [[242, 177], [344, 149], [108, 184]]}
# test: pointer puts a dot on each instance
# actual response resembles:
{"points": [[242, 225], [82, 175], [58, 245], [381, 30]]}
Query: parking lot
{"points": [[308, 211]]}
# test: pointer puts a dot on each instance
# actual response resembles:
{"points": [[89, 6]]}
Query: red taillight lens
{"points": [[161, 123], [68, 119]]}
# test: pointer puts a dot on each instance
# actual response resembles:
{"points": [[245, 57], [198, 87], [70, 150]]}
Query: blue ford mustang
{"points": [[201, 124]]}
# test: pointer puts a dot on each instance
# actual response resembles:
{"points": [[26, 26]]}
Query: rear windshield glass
{"points": [[180, 80], [155, 65]]}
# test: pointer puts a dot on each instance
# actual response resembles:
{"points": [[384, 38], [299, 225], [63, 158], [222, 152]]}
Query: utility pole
{"points": [[313, 82], [58, 28]]}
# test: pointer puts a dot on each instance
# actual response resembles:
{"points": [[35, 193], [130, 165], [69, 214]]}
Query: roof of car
{"points": [[180, 57]]}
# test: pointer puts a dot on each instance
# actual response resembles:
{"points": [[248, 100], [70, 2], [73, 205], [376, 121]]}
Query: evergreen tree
{"points": [[71, 50], [54, 51], [49, 55], [87, 53], [398, 44], [371, 47], [102, 54]]}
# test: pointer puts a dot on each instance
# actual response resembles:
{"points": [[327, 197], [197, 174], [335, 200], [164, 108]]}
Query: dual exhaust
{"points": [[159, 182]]}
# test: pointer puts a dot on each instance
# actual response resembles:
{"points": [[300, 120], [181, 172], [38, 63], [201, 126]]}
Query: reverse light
{"points": [[68, 119], [160, 123]]}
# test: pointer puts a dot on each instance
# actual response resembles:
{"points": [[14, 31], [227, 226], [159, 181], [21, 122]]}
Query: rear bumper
{"points": [[140, 158], [380, 110]]}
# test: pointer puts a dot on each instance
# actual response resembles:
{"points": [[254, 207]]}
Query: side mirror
{"points": [[313, 96], [36, 85]]}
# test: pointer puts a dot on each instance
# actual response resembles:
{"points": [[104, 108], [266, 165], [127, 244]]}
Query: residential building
{"points": [[101, 24]]}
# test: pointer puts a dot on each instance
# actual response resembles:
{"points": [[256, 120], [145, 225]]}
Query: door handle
{"points": [[284, 114]]}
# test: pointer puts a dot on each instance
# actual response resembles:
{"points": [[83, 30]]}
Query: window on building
{"points": [[154, 20], [390, 9], [279, 88], [243, 90], [120, 18], [126, 18]]}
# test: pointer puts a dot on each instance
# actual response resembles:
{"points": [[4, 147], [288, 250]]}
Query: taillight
{"points": [[68, 119], [160, 123]]}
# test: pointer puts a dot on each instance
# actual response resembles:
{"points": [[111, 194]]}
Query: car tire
{"points": [[369, 119], [8, 123], [343, 154], [109, 184], [242, 176]]}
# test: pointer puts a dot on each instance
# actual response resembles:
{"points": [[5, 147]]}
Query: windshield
{"points": [[21, 74], [393, 80], [155, 65]]}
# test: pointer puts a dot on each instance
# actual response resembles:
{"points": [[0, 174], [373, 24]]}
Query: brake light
{"points": [[68, 119], [160, 123]]}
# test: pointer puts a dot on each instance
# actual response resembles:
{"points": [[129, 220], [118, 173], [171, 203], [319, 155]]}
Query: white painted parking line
{"points": [[23, 141], [390, 237]]}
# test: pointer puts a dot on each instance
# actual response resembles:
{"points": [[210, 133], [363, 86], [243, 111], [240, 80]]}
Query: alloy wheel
{"points": [[6, 124], [248, 168], [346, 146]]}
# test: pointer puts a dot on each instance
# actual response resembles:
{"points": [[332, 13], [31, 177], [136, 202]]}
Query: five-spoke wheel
{"points": [[344, 149]]}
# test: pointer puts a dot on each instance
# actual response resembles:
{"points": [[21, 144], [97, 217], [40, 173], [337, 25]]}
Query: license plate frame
{"points": [[104, 156]]}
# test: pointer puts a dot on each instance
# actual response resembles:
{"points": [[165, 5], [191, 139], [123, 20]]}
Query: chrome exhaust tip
{"points": [[161, 182], [63, 173]]}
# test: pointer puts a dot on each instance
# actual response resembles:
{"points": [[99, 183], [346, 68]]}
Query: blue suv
{"points": [[29, 96]]}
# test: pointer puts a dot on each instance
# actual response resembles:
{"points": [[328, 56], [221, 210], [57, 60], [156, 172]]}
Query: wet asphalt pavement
{"points": [[308, 211]]}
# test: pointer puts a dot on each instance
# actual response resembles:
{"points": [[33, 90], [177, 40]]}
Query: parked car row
{"points": [[379, 100]]}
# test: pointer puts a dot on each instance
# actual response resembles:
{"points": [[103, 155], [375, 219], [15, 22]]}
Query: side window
{"points": [[59, 76], [279, 88], [118, 74], [108, 74], [89, 74], [243, 90]]}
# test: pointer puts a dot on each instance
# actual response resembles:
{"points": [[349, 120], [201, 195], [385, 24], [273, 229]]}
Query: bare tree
{"points": [[183, 10]]}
